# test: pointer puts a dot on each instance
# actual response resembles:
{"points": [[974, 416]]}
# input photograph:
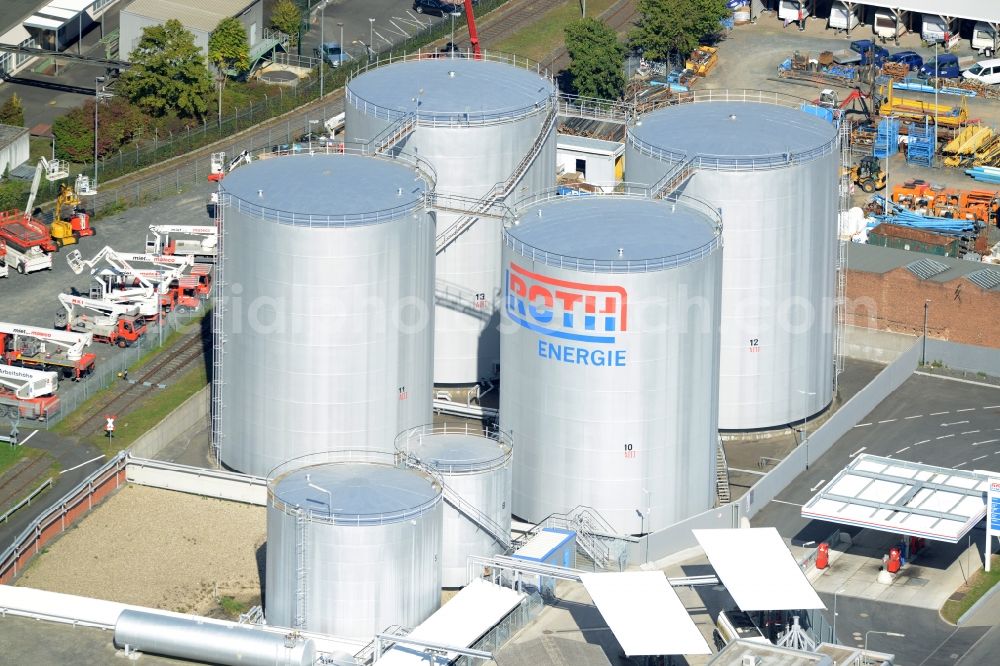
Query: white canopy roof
{"points": [[477, 608], [73, 5], [757, 568], [974, 10], [37, 21], [644, 613], [896, 496]]}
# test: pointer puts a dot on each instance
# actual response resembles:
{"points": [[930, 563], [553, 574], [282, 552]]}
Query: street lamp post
{"points": [[893, 634], [923, 351], [835, 641], [311, 123], [453, 15], [805, 415], [371, 36], [98, 80], [340, 24], [322, 48]]}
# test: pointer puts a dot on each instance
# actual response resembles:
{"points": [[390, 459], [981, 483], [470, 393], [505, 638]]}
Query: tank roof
{"points": [[587, 232], [317, 190], [733, 134], [360, 493], [450, 90], [458, 452]]}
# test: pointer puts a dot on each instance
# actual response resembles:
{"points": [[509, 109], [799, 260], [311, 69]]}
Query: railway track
{"points": [[619, 17], [172, 363], [15, 486]]}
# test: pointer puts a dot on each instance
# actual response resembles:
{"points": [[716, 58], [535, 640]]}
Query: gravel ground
{"points": [[159, 548]]}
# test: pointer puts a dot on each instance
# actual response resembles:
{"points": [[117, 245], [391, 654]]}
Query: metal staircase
{"points": [[301, 526], [466, 508], [722, 475], [501, 189], [392, 135], [595, 537], [674, 179], [841, 263], [462, 300], [218, 310]]}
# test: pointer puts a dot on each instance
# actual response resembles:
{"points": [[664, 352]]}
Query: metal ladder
{"points": [[722, 475], [393, 134], [674, 179], [499, 190], [301, 525], [841, 263], [218, 287]]}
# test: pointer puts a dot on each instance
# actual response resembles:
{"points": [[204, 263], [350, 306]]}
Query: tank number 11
{"points": [[629, 451]]}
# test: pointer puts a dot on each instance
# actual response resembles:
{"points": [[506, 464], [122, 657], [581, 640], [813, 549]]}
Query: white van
{"points": [[842, 18], [984, 71], [886, 26], [793, 10], [935, 30], [984, 39]]}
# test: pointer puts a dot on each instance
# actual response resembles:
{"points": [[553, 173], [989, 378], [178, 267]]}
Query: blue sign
{"points": [[995, 513]]}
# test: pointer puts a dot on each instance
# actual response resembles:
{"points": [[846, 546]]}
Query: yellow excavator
{"points": [[868, 175], [70, 221]]}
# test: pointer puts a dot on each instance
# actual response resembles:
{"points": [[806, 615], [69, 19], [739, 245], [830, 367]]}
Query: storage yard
{"points": [[479, 393]]}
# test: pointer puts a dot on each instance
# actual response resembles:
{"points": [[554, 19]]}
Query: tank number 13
{"points": [[629, 451]]}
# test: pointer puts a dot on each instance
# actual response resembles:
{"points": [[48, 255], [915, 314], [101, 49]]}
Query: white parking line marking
{"points": [[918, 416], [945, 436], [985, 441], [970, 432], [961, 464], [956, 379], [817, 486], [905, 448], [888, 421], [967, 409], [945, 425], [923, 441], [862, 425], [25, 440], [992, 407], [979, 458], [863, 448], [939, 413]]}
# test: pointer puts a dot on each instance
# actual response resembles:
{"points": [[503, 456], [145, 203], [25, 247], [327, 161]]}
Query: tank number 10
{"points": [[754, 345], [629, 451]]}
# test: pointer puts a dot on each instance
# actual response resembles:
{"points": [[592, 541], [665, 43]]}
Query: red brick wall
{"points": [[959, 310]]}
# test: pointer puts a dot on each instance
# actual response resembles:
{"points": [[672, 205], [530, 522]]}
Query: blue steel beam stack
{"points": [[920, 144], [887, 138], [896, 214]]}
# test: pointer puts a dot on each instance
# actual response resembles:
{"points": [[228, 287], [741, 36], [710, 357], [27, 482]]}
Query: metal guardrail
{"points": [[47, 483]]}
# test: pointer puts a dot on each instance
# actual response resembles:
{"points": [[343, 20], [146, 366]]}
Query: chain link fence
{"points": [[72, 394]]}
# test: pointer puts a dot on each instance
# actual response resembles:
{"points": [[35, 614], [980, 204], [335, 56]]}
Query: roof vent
{"points": [[260, 193], [621, 252], [399, 191], [750, 660], [451, 74], [732, 116]]}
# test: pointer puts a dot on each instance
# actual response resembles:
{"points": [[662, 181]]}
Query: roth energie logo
{"points": [[568, 310]]}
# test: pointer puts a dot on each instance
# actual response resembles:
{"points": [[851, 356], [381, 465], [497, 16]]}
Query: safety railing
{"points": [[43, 486], [462, 300], [674, 179], [410, 444], [593, 108], [394, 133]]}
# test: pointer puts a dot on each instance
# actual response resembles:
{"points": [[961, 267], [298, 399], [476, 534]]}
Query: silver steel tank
{"points": [[773, 170], [353, 544], [475, 469], [610, 357], [476, 121], [210, 642], [327, 280]]}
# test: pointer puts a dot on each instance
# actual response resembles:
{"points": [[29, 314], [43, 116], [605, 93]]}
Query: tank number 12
{"points": [[754, 345], [629, 451]]}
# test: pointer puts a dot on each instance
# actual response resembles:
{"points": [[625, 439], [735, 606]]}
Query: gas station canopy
{"points": [[912, 499], [644, 613], [758, 570]]}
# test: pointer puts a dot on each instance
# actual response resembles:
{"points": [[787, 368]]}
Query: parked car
{"points": [[440, 7], [911, 59], [332, 54], [985, 71], [946, 66], [869, 50]]}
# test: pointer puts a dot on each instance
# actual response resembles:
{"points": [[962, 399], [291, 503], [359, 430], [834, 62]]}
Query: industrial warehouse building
{"points": [[13, 147], [200, 18]]}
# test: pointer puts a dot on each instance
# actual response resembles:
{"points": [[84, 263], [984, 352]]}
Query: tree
{"points": [[286, 17], [12, 112], [675, 26], [168, 73], [598, 59], [120, 122], [228, 47]]}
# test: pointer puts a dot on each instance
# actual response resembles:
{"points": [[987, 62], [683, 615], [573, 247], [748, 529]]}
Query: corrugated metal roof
{"points": [[196, 14], [875, 259], [987, 278], [974, 10], [926, 268]]}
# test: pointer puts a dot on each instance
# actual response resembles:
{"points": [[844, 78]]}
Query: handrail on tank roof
{"points": [[634, 191], [341, 457], [449, 118], [409, 443], [424, 168], [713, 162]]}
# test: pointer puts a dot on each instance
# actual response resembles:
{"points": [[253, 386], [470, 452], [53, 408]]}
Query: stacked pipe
{"points": [[985, 174], [896, 214]]}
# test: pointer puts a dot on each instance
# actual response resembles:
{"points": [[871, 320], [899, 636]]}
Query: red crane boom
{"points": [[473, 35]]}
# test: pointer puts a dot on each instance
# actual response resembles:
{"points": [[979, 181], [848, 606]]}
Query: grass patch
{"points": [[10, 455], [978, 585], [541, 38], [151, 411], [231, 607]]}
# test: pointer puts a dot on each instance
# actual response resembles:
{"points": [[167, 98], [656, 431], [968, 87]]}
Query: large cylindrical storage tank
{"points": [[475, 468], [328, 274], [476, 122], [610, 357], [353, 545], [772, 169]]}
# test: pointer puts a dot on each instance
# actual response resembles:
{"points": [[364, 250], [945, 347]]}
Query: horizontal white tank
{"points": [[610, 340], [773, 171], [475, 468], [327, 281], [353, 544], [476, 122]]}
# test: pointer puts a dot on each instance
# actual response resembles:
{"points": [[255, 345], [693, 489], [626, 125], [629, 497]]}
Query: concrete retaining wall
{"points": [[173, 425], [964, 357], [871, 344]]}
